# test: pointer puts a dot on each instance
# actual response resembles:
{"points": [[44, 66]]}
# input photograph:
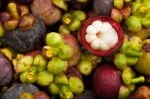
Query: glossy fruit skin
{"points": [[17, 89], [25, 41], [114, 24], [107, 87], [6, 71], [73, 43], [103, 7]]}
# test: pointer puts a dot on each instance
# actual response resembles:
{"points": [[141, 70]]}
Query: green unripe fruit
{"points": [[120, 61], [54, 89], [76, 85], [56, 66], [63, 29], [65, 52], [61, 79], [45, 78], [135, 43], [85, 67], [78, 14], [23, 64], [54, 39], [124, 92], [74, 25], [40, 61], [26, 95], [66, 93], [118, 3], [29, 76], [127, 76], [146, 3], [133, 23]]}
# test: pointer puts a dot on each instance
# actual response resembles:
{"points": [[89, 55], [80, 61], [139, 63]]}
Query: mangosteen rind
{"points": [[17, 89], [26, 40]]}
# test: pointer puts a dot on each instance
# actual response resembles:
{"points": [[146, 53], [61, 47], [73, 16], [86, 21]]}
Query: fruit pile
{"points": [[74, 49]]}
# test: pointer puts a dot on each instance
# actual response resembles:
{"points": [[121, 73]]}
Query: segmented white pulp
{"points": [[101, 35]]}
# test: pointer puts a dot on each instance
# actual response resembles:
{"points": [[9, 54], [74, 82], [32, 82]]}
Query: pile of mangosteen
{"points": [[74, 49]]}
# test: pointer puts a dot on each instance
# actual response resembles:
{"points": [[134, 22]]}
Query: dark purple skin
{"points": [[103, 7], [16, 90], [73, 72], [6, 72], [107, 81], [26, 40]]}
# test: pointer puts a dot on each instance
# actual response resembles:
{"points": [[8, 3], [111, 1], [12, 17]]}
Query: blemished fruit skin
{"points": [[28, 40], [107, 81], [115, 25], [6, 71], [16, 90]]}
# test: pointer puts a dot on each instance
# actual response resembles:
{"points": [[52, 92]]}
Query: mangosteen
{"points": [[107, 81], [6, 71], [73, 72], [45, 10], [101, 35], [87, 95], [73, 43], [22, 40], [103, 7], [16, 90]]}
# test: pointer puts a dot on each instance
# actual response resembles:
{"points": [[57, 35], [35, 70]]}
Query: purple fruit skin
{"points": [[5, 71], [103, 7], [107, 81]]}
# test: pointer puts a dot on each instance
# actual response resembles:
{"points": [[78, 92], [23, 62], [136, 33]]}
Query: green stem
{"points": [[137, 80]]}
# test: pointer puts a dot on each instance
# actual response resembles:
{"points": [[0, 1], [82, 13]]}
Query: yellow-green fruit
{"points": [[26, 95], [56, 66], [76, 85], [45, 78], [143, 65], [54, 89], [61, 79]]}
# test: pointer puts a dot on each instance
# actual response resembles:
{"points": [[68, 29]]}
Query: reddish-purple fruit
{"points": [[101, 35], [41, 95], [6, 72], [73, 43], [107, 81], [73, 72]]}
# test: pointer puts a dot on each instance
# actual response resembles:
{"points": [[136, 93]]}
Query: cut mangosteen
{"points": [[26, 40], [16, 90], [101, 35]]}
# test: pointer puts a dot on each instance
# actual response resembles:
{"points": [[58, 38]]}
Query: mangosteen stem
{"points": [[133, 53], [137, 80]]}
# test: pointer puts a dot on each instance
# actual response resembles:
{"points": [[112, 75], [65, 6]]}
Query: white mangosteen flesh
{"points": [[101, 35]]}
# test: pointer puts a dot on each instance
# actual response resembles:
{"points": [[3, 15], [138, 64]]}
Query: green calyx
{"points": [[54, 89], [26, 95], [45, 78], [76, 85], [30, 76], [65, 52], [66, 93], [61, 79], [40, 61], [85, 67], [120, 61], [23, 64], [56, 66], [134, 23], [54, 39]]}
